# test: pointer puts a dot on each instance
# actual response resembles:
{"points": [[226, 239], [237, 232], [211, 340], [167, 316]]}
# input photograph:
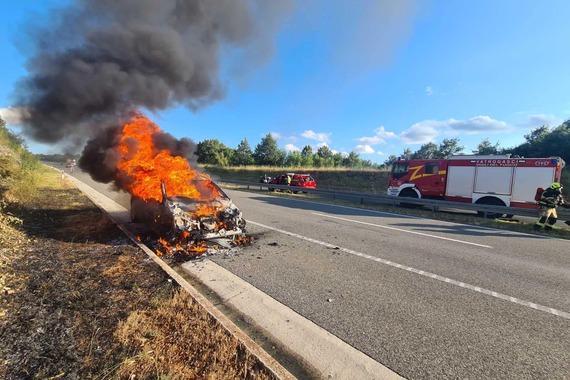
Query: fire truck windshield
{"points": [[399, 170]]}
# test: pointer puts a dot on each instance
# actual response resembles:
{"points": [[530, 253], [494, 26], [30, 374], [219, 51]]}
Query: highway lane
{"points": [[365, 277], [448, 249], [497, 309]]}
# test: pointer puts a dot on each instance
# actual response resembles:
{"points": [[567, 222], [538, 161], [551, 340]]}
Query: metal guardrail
{"points": [[433, 204]]}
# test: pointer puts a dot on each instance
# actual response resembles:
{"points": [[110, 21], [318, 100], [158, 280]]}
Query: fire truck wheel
{"points": [[409, 193], [493, 202]]}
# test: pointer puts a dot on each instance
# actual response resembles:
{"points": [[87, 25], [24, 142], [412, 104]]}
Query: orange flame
{"points": [[204, 210], [148, 166]]}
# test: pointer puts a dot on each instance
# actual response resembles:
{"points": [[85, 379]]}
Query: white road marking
{"points": [[518, 301], [401, 230]]}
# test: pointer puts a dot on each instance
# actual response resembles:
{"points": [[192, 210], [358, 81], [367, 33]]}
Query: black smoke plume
{"points": [[98, 60]]}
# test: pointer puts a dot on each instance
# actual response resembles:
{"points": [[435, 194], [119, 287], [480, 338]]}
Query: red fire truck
{"points": [[499, 180]]}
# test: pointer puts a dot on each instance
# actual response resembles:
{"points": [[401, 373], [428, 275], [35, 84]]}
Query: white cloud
{"points": [[275, 135], [420, 133], [366, 149], [379, 137], [477, 124], [535, 121], [429, 91], [13, 115], [322, 144], [427, 130], [291, 148], [312, 135]]}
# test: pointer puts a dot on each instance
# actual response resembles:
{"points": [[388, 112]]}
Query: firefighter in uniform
{"points": [[550, 199]]}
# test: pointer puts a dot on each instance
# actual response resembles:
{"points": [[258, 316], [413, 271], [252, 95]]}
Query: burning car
{"points": [[192, 224]]}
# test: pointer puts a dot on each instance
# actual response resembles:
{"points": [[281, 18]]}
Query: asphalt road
{"points": [[428, 299]]}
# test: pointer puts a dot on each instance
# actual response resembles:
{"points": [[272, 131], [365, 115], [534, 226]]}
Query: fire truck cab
{"points": [[499, 180]]}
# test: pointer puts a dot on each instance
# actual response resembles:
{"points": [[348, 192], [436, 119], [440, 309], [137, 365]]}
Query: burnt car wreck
{"points": [[190, 225]]}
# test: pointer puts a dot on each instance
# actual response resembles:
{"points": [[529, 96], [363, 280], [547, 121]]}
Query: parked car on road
{"points": [[295, 179]]}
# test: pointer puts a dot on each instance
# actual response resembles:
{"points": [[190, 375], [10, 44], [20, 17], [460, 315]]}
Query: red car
{"points": [[298, 180]]}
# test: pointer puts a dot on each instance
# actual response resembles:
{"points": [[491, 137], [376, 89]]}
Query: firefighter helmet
{"points": [[555, 185]]}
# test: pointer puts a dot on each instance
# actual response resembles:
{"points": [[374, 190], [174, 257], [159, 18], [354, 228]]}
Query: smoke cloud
{"points": [[98, 60]]}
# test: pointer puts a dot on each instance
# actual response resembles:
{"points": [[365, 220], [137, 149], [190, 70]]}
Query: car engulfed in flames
{"points": [[191, 226]]}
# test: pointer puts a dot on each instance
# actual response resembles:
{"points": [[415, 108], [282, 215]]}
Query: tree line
{"points": [[267, 153], [543, 141]]}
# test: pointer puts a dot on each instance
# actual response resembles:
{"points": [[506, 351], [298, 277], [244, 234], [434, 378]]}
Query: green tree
{"points": [[556, 143], [243, 155], [485, 147], [449, 147], [406, 154], [293, 159], [318, 161], [213, 152], [14, 140], [27, 161], [324, 152], [535, 144], [537, 135], [390, 160], [352, 160], [544, 142], [337, 160], [307, 156], [326, 155], [267, 152], [427, 151]]}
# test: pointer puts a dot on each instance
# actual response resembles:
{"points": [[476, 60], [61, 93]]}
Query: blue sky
{"points": [[373, 76]]}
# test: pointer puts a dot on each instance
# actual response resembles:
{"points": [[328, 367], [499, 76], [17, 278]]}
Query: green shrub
{"points": [[18, 166]]}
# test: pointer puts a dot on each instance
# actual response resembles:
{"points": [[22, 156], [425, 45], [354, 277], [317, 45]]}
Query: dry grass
{"points": [[164, 336], [79, 301]]}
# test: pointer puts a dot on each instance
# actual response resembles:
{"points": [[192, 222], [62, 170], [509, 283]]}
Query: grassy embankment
{"points": [[365, 180], [79, 301]]}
